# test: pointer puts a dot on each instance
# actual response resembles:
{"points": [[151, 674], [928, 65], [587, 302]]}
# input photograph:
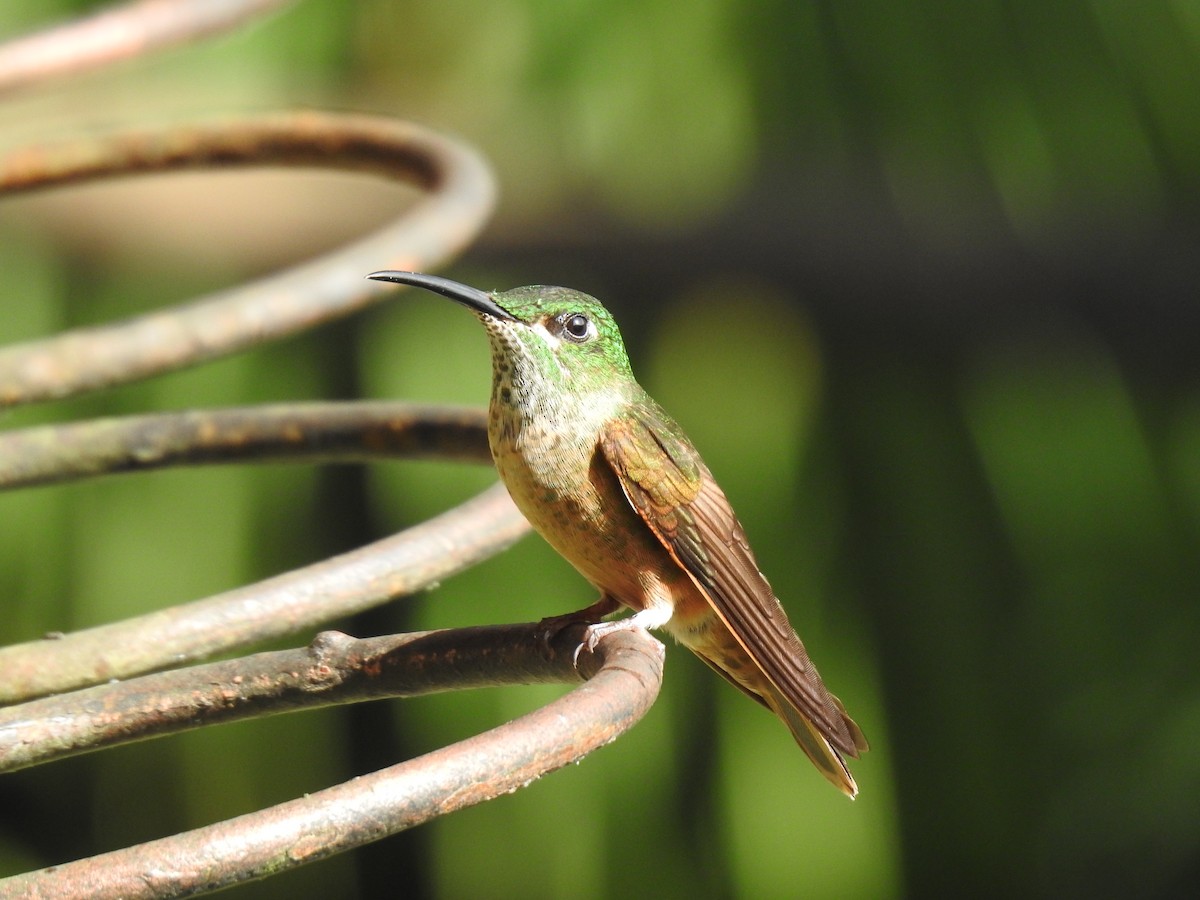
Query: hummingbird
{"points": [[610, 480]]}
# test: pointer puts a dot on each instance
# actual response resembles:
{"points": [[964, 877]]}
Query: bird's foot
{"points": [[550, 627], [592, 636], [651, 617]]}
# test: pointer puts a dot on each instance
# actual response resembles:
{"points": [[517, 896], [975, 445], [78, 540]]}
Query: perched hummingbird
{"points": [[613, 484]]}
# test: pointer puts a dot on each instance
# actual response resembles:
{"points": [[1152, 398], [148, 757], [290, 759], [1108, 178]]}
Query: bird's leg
{"points": [[653, 616], [552, 625]]}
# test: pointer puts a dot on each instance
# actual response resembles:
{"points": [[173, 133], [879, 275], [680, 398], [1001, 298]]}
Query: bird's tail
{"points": [[827, 760], [732, 663]]}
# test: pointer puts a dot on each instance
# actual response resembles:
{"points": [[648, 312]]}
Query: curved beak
{"points": [[473, 298]]}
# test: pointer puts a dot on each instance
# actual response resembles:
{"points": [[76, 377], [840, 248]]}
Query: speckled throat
{"points": [[534, 397]]}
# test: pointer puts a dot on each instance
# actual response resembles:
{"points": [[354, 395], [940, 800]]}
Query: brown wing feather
{"points": [[666, 482]]}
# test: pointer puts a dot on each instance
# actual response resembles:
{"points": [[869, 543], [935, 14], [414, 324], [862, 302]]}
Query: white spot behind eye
{"points": [[541, 331]]}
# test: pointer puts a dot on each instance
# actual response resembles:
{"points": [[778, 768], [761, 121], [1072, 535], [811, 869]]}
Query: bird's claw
{"points": [[595, 632], [550, 627]]}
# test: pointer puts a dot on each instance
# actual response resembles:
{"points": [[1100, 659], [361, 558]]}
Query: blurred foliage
{"points": [[919, 279]]}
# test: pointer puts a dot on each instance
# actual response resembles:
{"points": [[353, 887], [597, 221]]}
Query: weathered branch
{"points": [[625, 674]]}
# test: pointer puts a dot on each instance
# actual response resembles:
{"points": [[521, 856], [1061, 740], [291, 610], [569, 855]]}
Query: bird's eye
{"points": [[576, 327]]}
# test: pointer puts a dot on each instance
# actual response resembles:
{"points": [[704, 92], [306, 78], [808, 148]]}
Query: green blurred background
{"points": [[919, 279]]}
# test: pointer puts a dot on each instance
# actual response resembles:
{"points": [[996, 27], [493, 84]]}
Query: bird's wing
{"points": [[665, 480]]}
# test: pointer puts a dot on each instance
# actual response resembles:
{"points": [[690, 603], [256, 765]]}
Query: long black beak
{"points": [[473, 298]]}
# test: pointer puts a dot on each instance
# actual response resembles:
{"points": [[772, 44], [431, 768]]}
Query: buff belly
{"points": [[573, 500]]}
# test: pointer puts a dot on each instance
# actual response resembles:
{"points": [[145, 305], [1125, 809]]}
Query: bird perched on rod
{"points": [[613, 484]]}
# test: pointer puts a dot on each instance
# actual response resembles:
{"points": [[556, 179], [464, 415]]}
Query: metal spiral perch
{"points": [[82, 692]]}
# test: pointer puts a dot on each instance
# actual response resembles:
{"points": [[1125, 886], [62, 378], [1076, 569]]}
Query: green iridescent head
{"points": [[562, 336]]}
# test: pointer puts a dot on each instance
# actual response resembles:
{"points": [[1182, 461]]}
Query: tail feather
{"points": [[860, 739], [827, 760], [733, 664]]}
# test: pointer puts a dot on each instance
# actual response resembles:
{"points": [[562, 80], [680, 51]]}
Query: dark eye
{"points": [[576, 327]]}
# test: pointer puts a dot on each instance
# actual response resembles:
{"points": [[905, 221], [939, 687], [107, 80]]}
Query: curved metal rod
{"points": [[624, 679], [287, 603], [283, 605], [460, 196], [314, 432], [128, 30], [335, 668]]}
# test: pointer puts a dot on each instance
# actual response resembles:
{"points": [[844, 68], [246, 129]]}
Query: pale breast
{"points": [[572, 498]]}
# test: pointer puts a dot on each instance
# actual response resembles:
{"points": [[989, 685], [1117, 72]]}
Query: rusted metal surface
{"points": [[335, 668], [624, 675], [103, 696], [120, 32], [293, 432], [276, 607], [458, 199]]}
